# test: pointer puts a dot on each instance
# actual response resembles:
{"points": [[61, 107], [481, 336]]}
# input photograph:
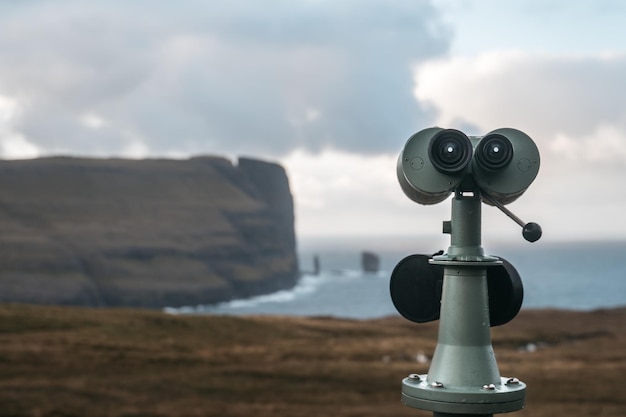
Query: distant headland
{"points": [[144, 233]]}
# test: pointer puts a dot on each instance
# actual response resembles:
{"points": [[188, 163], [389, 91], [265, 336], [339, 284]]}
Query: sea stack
{"points": [[370, 262]]}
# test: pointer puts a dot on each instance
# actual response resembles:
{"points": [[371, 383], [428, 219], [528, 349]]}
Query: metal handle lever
{"points": [[531, 231]]}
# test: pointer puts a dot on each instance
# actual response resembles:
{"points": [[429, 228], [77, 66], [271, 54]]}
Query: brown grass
{"points": [[85, 362]]}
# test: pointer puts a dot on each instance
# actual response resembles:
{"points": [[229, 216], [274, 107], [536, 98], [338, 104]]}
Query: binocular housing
{"points": [[435, 162]]}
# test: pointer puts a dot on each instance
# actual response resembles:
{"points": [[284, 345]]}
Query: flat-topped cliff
{"points": [[144, 233]]}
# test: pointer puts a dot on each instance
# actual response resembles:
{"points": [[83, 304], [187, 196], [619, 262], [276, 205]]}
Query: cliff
{"points": [[144, 233]]}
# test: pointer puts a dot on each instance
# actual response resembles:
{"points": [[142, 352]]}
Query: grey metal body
{"points": [[463, 378]]}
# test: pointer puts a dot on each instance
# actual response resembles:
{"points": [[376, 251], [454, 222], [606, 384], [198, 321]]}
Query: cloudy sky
{"points": [[332, 90]]}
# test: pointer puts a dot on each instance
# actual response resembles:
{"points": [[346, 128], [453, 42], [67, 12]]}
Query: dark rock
{"points": [[144, 233], [370, 262], [316, 265]]}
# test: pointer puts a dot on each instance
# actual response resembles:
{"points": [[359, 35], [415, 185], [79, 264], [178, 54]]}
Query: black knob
{"points": [[531, 232]]}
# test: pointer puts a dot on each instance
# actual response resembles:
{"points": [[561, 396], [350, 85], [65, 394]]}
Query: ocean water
{"points": [[574, 276]]}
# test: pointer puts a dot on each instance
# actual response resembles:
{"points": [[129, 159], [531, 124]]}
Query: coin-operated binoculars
{"points": [[467, 290]]}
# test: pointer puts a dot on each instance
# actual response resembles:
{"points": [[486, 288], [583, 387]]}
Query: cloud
{"points": [[556, 99], [215, 77], [341, 193]]}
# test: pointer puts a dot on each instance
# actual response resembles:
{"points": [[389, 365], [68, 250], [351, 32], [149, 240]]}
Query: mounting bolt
{"points": [[512, 381], [489, 387], [415, 377], [436, 384]]}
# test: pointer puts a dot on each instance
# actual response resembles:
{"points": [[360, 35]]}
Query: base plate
{"points": [[505, 397]]}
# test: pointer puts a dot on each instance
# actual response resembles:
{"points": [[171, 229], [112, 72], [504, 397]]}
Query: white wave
{"points": [[308, 284]]}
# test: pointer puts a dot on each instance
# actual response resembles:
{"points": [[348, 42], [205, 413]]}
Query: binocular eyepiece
{"points": [[494, 152], [450, 151], [436, 161]]}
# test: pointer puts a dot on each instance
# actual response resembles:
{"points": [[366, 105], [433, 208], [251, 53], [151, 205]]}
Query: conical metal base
{"points": [[463, 376], [464, 357]]}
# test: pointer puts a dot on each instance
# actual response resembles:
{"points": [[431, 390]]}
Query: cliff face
{"points": [[147, 233]]}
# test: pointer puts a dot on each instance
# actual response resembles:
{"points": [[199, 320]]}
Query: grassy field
{"points": [[57, 361]]}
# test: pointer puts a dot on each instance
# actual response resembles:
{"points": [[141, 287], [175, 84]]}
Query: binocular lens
{"points": [[450, 151], [494, 152]]}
